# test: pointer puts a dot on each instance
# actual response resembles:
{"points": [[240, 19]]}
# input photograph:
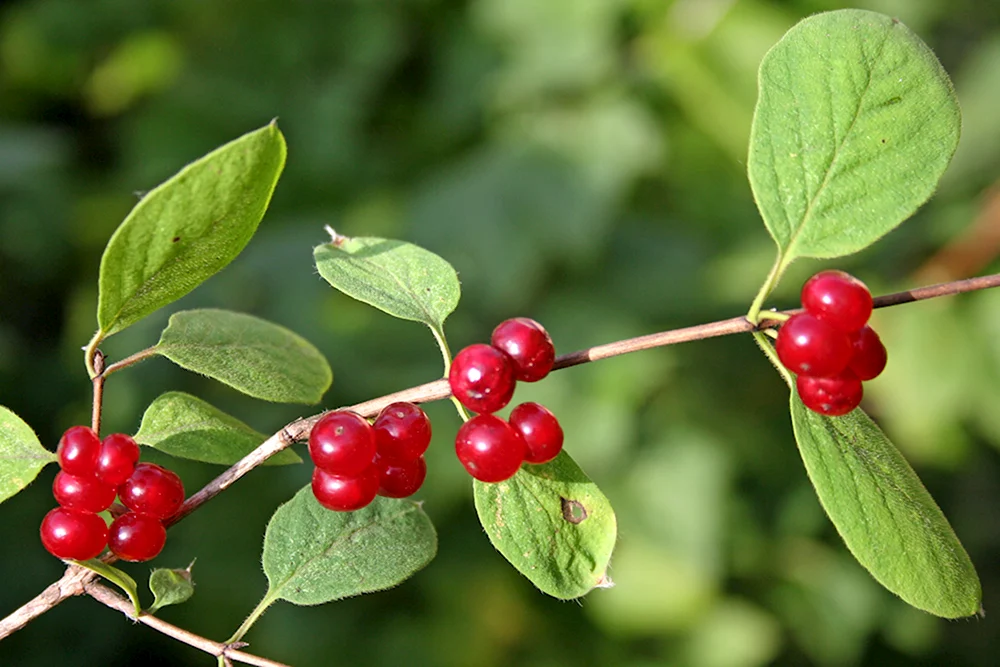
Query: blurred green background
{"points": [[578, 161]]}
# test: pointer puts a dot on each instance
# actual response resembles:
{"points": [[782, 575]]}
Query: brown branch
{"points": [[75, 578], [108, 597]]}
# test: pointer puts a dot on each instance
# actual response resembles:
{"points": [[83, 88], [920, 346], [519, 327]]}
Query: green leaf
{"points": [[115, 576], [399, 278], [188, 228], [855, 123], [885, 515], [21, 454], [185, 426], [553, 524], [169, 587], [313, 555], [259, 358]]}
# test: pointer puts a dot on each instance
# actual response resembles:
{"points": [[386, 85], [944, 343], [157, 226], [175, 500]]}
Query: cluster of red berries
{"points": [[482, 378], [830, 347], [355, 460], [92, 474]]}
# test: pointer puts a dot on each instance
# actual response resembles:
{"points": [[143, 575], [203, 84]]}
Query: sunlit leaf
{"points": [[21, 454], [257, 357], [188, 228], [553, 524], [885, 515]]}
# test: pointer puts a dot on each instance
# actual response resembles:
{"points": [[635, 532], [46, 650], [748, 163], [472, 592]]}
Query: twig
{"points": [[108, 597], [75, 579]]}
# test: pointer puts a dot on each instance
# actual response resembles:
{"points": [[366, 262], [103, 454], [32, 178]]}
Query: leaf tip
{"points": [[336, 240]]}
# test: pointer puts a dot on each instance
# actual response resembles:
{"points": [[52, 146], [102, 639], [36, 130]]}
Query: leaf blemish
{"points": [[573, 510], [175, 239]]}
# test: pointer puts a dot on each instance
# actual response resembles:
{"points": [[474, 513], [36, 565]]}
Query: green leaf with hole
{"points": [[188, 228], [885, 515], [399, 278], [185, 426], [855, 123], [553, 524], [313, 555], [257, 357], [170, 586], [117, 577], [21, 454]]}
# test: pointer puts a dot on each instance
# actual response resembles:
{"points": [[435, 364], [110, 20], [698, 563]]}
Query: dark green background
{"points": [[578, 161]]}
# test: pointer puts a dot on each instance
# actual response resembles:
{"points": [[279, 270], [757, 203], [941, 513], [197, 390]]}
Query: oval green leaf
{"points": [[21, 454], [254, 356], [396, 277], [188, 228], [170, 586], [115, 576], [885, 515], [553, 524], [313, 555], [185, 426], [855, 123]]}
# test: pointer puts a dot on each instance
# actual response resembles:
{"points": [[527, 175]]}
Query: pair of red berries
{"points": [[483, 378], [356, 461], [93, 473], [830, 347]]}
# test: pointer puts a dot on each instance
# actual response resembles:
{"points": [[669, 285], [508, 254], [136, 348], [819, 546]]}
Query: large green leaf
{"points": [[399, 278], [21, 454], [313, 555], [885, 515], [855, 123], [259, 358], [188, 228], [553, 524], [185, 426]]}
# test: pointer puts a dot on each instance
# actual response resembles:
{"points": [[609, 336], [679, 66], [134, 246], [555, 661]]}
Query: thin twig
{"points": [[108, 597], [74, 578]]}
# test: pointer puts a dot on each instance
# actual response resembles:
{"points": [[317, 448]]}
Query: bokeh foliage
{"points": [[581, 162]]}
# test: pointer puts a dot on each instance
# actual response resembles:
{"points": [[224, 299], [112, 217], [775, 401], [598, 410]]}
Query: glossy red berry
{"points": [[482, 378], [399, 479], [540, 430], [833, 396], [68, 533], [152, 490], [839, 299], [528, 344], [84, 493], [342, 443], [78, 450], [489, 448], [136, 537], [870, 355], [809, 346], [402, 432], [345, 494], [117, 458]]}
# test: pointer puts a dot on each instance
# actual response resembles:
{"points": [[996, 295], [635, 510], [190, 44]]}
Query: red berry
{"points": [[839, 299], [345, 494], [402, 432], [832, 396], [528, 344], [152, 490], [136, 537], [67, 533], [870, 355], [541, 432], [78, 450], [809, 346], [82, 493], [342, 443], [489, 448], [117, 458], [399, 479], [482, 378]]}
